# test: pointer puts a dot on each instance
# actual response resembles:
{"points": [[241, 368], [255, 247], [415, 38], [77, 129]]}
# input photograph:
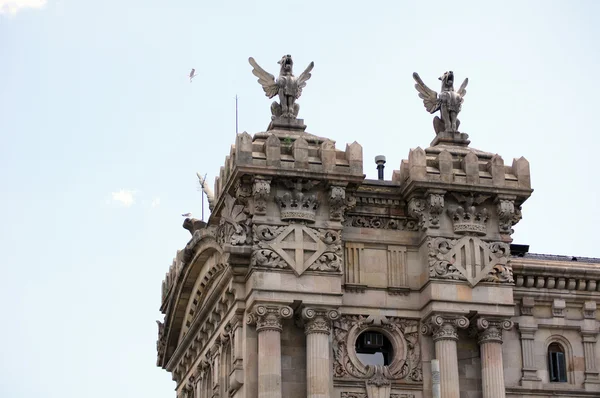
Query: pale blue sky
{"points": [[94, 99]]}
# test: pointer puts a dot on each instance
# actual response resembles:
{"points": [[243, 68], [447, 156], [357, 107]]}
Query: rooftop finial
{"points": [[287, 86], [449, 103]]}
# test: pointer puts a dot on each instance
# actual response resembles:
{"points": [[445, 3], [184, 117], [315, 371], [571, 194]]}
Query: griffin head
{"points": [[447, 81], [286, 64]]}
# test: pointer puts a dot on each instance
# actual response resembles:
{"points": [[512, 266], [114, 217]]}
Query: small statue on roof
{"points": [[287, 86], [448, 101]]}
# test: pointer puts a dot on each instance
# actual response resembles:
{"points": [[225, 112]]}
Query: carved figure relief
{"points": [[402, 333], [470, 259], [234, 227], [297, 246]]}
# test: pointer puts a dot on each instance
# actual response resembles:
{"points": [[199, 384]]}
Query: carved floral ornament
{"points": [[298, 247], [402, 333], [469, 258], [234, 226]]}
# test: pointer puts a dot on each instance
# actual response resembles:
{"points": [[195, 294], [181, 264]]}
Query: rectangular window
{"points": [[558, 369]]}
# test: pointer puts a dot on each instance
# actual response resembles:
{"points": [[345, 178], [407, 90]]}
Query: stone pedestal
{"points": [[444, 332], [268, 321], [317, 330], [490, 343]]}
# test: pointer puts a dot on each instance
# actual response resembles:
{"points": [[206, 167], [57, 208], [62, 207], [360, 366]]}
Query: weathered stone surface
{"points": [[366, 266]]}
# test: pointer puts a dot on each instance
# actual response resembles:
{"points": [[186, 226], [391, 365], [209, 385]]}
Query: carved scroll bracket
{"points": [[509, 213]]}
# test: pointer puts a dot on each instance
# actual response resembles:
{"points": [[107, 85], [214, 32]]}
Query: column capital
{"points": [[269, 317], [489, 330], [444, 327], [318, 320]]}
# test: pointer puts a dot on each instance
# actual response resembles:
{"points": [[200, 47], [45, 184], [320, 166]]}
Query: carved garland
{"points": [[402, 333]]}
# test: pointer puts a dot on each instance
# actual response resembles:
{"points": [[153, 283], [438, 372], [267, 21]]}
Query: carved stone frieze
{"points": [[379, 222], [352, 394], [402, 333], [469, 258], [339, 202], [508, 215], [261, 190], [444, 327], [298, 246], [234, 226], [269, 317]]}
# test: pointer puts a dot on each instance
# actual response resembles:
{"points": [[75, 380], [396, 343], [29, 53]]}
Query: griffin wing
{"points": [[303, 78], [462, 91], [266, 80], [429, 97]]}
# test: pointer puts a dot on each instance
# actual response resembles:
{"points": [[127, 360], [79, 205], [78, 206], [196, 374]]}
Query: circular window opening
{"points": [[373, 348]]}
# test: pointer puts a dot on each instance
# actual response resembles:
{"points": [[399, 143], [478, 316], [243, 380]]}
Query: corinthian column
{"points": [[444, 331], [490, 344], [268, 327], [317, 330]]}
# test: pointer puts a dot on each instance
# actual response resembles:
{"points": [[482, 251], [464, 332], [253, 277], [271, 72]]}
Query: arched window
{"points": [[373, 348], [557, 364]]}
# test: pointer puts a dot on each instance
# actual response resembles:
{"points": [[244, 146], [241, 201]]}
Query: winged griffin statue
{"points": [[448, 101], [287, 86]]}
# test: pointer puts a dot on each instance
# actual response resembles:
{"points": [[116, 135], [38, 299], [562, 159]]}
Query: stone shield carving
{"points": [[402, 333], [298, 247], [470, 259]]}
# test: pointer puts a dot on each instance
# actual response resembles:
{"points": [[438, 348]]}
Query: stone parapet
{"points": [[457, 166], [290, 153]]}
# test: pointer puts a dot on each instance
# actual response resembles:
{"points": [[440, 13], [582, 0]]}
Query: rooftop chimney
{"points": [[380, 161]]}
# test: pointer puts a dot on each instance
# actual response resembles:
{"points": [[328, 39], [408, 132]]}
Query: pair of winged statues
{"points": [[289, 88]]}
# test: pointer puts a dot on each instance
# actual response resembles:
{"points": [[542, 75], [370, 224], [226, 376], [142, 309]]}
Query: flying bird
{"points": [[187, 215], [192, 74]]}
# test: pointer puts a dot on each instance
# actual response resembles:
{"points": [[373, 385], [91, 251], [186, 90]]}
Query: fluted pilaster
{"points": [[589, 351], [317, 330], [529, 370], [268, 320], [490, 343], [444, 331]]}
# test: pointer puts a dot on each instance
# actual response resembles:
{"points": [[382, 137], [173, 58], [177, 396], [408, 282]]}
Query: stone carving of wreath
{"points": [[403, 334]]}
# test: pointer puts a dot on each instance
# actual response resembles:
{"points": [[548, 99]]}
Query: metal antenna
{"points": [[203, 181], [236, 114]]}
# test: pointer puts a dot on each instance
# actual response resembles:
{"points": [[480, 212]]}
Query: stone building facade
{"points": [[309, 280]]}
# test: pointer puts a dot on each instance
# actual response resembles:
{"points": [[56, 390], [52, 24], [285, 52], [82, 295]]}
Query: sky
{"points": [[102, 135]]}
